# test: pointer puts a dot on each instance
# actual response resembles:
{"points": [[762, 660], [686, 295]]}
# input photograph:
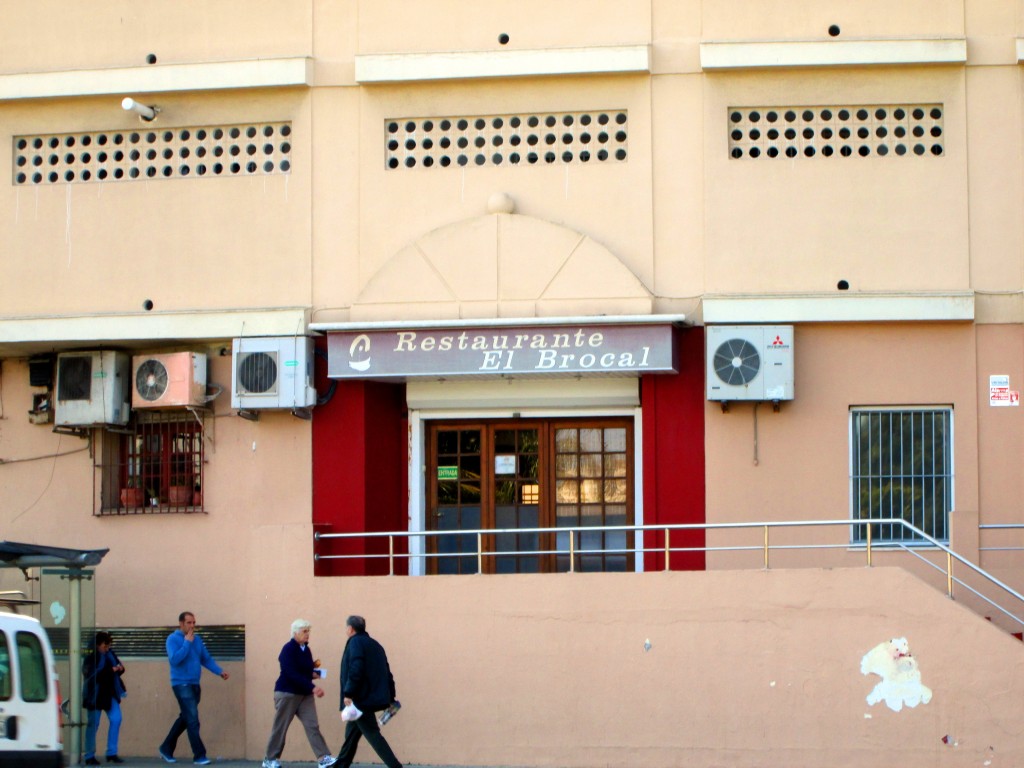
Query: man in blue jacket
{"points": [[367, 683], [187, 656]]}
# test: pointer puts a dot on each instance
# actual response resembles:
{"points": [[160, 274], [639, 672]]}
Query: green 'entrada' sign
{"points": [[447, 473]]}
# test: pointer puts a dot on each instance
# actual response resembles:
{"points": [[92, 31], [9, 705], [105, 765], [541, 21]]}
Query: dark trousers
{"points": [[188, 720], [366, 726]]}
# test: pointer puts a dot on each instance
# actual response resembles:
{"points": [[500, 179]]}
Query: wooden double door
{"points": [[513, 475]]}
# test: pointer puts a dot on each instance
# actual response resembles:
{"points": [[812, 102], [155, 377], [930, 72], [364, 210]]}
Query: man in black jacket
{"points": [[367, 683]]}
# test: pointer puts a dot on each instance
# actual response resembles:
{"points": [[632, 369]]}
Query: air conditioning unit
{"points": [[272, 372], [92, 388], [169, 380], [750, 362]]}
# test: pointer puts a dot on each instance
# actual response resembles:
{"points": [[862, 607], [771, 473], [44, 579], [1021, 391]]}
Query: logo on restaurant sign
{"points": [[359, 353]]}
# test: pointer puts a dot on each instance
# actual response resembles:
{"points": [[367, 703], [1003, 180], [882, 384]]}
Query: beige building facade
{"points": [[577, 301]]}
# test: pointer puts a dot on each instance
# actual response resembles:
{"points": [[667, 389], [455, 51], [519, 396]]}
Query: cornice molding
{"points": [[257, 73], [731, 55]]}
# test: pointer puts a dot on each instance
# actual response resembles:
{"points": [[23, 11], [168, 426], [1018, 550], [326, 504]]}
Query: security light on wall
{"points": [[147, 113]]}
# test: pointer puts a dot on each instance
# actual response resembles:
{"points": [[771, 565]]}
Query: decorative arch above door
{"points": [[502, 265]]}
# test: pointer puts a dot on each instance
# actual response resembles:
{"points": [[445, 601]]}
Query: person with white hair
{"points": [[295, 694]]}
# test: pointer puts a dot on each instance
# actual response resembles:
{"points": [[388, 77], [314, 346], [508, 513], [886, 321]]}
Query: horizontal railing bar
{"points": [[605, 528], [533, 552]]}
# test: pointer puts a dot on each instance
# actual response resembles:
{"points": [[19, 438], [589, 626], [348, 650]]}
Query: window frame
{"points": [[170, 470], [418, 483], [547, 501], [33, 680], [942, 496]]}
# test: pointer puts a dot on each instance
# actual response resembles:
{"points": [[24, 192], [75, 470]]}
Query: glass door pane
{"points": [[593, 488], [455, 499], [517, 498]]}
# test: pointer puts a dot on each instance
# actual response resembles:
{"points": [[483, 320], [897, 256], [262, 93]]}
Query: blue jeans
{"points": [[93, 724], [188, 720]]}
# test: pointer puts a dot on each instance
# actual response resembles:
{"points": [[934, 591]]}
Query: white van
{"points": [[30, 718]]}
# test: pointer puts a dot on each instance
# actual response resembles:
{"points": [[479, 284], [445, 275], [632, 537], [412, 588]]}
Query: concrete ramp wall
{"points": [[739, 668]]}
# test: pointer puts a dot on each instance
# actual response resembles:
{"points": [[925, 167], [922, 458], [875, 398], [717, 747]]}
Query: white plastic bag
{"points": [[350, 712]]}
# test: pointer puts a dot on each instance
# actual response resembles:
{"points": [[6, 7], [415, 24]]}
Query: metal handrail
{"points": [[915, 540], [1000, 527]]}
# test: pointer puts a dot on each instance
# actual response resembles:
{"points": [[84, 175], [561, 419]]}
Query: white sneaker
{"points": [[268, 763], [326, 761]]}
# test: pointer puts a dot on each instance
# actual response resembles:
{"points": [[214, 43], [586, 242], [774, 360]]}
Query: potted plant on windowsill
{"points": [[197, 496], [179, 492], [132, 495]]}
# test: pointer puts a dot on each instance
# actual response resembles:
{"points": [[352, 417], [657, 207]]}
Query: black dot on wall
{"points": [[151, 58], [503, 38], [147, 305], [834, 30], [842, 285]]}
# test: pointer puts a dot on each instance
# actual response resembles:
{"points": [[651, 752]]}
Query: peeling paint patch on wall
{"points": [[901, 679]]}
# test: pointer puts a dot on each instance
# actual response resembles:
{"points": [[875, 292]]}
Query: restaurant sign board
{"points": [[488, 351]]}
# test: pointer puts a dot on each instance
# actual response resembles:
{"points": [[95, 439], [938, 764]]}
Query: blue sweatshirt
{"points": [[188, 659]]}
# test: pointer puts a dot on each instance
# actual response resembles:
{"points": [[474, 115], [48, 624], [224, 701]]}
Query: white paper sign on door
{"points": [[505, 464]]}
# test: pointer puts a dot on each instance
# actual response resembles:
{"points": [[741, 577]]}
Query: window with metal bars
{"points": [[158, 466], [901, 466]]}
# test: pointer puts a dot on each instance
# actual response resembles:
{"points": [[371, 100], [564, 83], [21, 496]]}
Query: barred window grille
{"points": [[594, 137], [861, 131], [901, 466], [212, 151], [159, 465]]}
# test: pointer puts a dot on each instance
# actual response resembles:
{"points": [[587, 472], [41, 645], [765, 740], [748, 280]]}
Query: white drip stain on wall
{"points": [[901, 678]]}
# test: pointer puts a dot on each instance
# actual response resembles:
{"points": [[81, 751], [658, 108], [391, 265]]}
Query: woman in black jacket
{"points": [[102, 692]]}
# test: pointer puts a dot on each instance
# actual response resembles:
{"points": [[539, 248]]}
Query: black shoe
{"points": [[114, 759], [91, 761]]}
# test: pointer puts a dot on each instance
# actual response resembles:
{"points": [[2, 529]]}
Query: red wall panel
{"points": [[673, 442], [360, 478]]}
